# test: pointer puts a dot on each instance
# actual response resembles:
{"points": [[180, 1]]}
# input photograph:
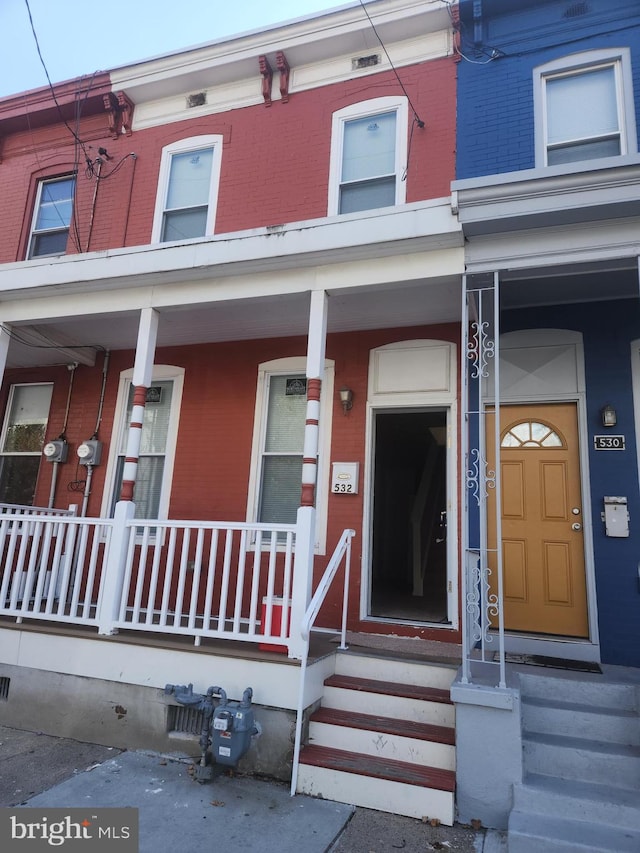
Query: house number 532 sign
{"points": [[344, 478]]}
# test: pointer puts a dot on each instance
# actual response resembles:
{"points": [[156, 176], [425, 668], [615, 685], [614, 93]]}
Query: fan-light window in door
{"points": [[531, 434]]}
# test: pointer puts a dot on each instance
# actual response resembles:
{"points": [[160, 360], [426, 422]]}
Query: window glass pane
{"points": [[146, 492], [368, 195], [582, 106], [184, 224], [584, 151], [50, 243], [155, 422], [56, 200], [287, 414], [27, 419], [190, 179], [369, 147], [280, 489], [18, 478]]}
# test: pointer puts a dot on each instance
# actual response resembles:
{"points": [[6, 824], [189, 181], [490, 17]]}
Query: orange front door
{"points": [[542, 519]]}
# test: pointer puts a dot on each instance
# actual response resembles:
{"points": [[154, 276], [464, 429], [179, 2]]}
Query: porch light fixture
{"points": [[609, 416], [346, 398]]}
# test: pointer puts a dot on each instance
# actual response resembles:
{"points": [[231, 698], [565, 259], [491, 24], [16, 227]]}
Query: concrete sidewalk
{"points": [[235, 812]]}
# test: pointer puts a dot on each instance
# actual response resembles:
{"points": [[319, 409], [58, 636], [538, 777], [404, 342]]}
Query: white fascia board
{"points": [[594, 243], [318, 38], [386, 232], [549, 197]]}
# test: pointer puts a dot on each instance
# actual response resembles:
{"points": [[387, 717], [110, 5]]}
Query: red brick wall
{"points": [[275, 161], [216, 426]]}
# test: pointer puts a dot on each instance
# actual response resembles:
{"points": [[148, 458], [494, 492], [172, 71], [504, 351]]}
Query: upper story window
{"points": [[584, 108], [23, 432], [187, 189], [52, 217], [368, 156]]}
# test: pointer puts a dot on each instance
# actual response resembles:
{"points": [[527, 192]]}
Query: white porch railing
{"points": [[342, 552], [200, 578], [51, 565], [227, 580]]}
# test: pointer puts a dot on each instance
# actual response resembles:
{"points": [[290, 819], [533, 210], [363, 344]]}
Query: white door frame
{"points": [[413, 375]]}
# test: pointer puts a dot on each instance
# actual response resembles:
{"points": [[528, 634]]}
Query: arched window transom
{"points": [[531, 434]]}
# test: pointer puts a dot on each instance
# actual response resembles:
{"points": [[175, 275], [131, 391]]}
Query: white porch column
{"points": [[111, 591], [306, 517], [142, 373]]}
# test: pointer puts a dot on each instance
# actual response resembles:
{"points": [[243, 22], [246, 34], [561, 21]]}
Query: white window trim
{"points": [[160, 372], [36, 210], [590, 60], [192, 143], [283, 367], [361, 110]]}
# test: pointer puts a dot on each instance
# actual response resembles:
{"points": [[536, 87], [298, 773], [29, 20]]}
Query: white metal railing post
{"points": [[498, 477], [114, 568]]}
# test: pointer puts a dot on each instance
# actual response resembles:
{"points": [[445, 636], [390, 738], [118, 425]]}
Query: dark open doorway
{"points": [[409, 552]]}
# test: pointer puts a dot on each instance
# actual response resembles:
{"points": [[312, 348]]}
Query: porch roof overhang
{"points": [[391, 267], [571, 220]]}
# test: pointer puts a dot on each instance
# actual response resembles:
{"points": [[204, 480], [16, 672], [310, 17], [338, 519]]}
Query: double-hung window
{"points": [[584, 108], [187, 189], [157, 442], [368, 156], [22, 439], [52, 217], [278, 443]]}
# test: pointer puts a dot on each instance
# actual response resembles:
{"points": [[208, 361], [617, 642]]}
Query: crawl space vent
{"points": [[4, 688], [185, 720]]}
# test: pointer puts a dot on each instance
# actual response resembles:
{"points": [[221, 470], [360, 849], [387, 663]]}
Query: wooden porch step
{"points": [[379, 768], [387, 725], [388, 688]]}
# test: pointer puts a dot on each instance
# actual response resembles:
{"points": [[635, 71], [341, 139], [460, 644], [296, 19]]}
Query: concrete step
{"points": [[387, 785], [389, 699], [548, 796], [582, 759], [582, 689], [402, 668], [566, 718], [383, 737], [533, 833]]}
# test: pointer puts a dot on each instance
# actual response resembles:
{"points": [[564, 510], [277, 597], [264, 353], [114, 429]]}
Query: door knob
{"points": [[576, 526]]}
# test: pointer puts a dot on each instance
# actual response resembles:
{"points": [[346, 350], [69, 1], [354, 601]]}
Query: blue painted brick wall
{"points": [[495, 98]]}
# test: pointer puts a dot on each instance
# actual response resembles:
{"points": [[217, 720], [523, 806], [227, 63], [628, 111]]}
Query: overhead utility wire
{"points": [[67, 125], [417, 118]]}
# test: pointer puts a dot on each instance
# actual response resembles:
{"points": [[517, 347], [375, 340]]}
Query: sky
{"points": [[79, 37]]}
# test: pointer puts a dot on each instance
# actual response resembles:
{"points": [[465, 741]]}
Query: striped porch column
{"points": [[142, 375], [306, 516]]}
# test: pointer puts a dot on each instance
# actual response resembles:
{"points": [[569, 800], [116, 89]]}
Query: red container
{"points": [[277, 606]]}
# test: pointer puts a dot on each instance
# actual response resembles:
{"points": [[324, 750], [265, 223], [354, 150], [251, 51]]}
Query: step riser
{"points": [[405, 672], [402, 708], [581, 764], [383, 745], [380, 794], [595, 693], [533, 800], [529, 834], [609, 728]]}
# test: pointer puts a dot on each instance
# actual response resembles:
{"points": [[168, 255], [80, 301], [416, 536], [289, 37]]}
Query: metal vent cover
{"points": [[4, 688], [185, 720]]}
